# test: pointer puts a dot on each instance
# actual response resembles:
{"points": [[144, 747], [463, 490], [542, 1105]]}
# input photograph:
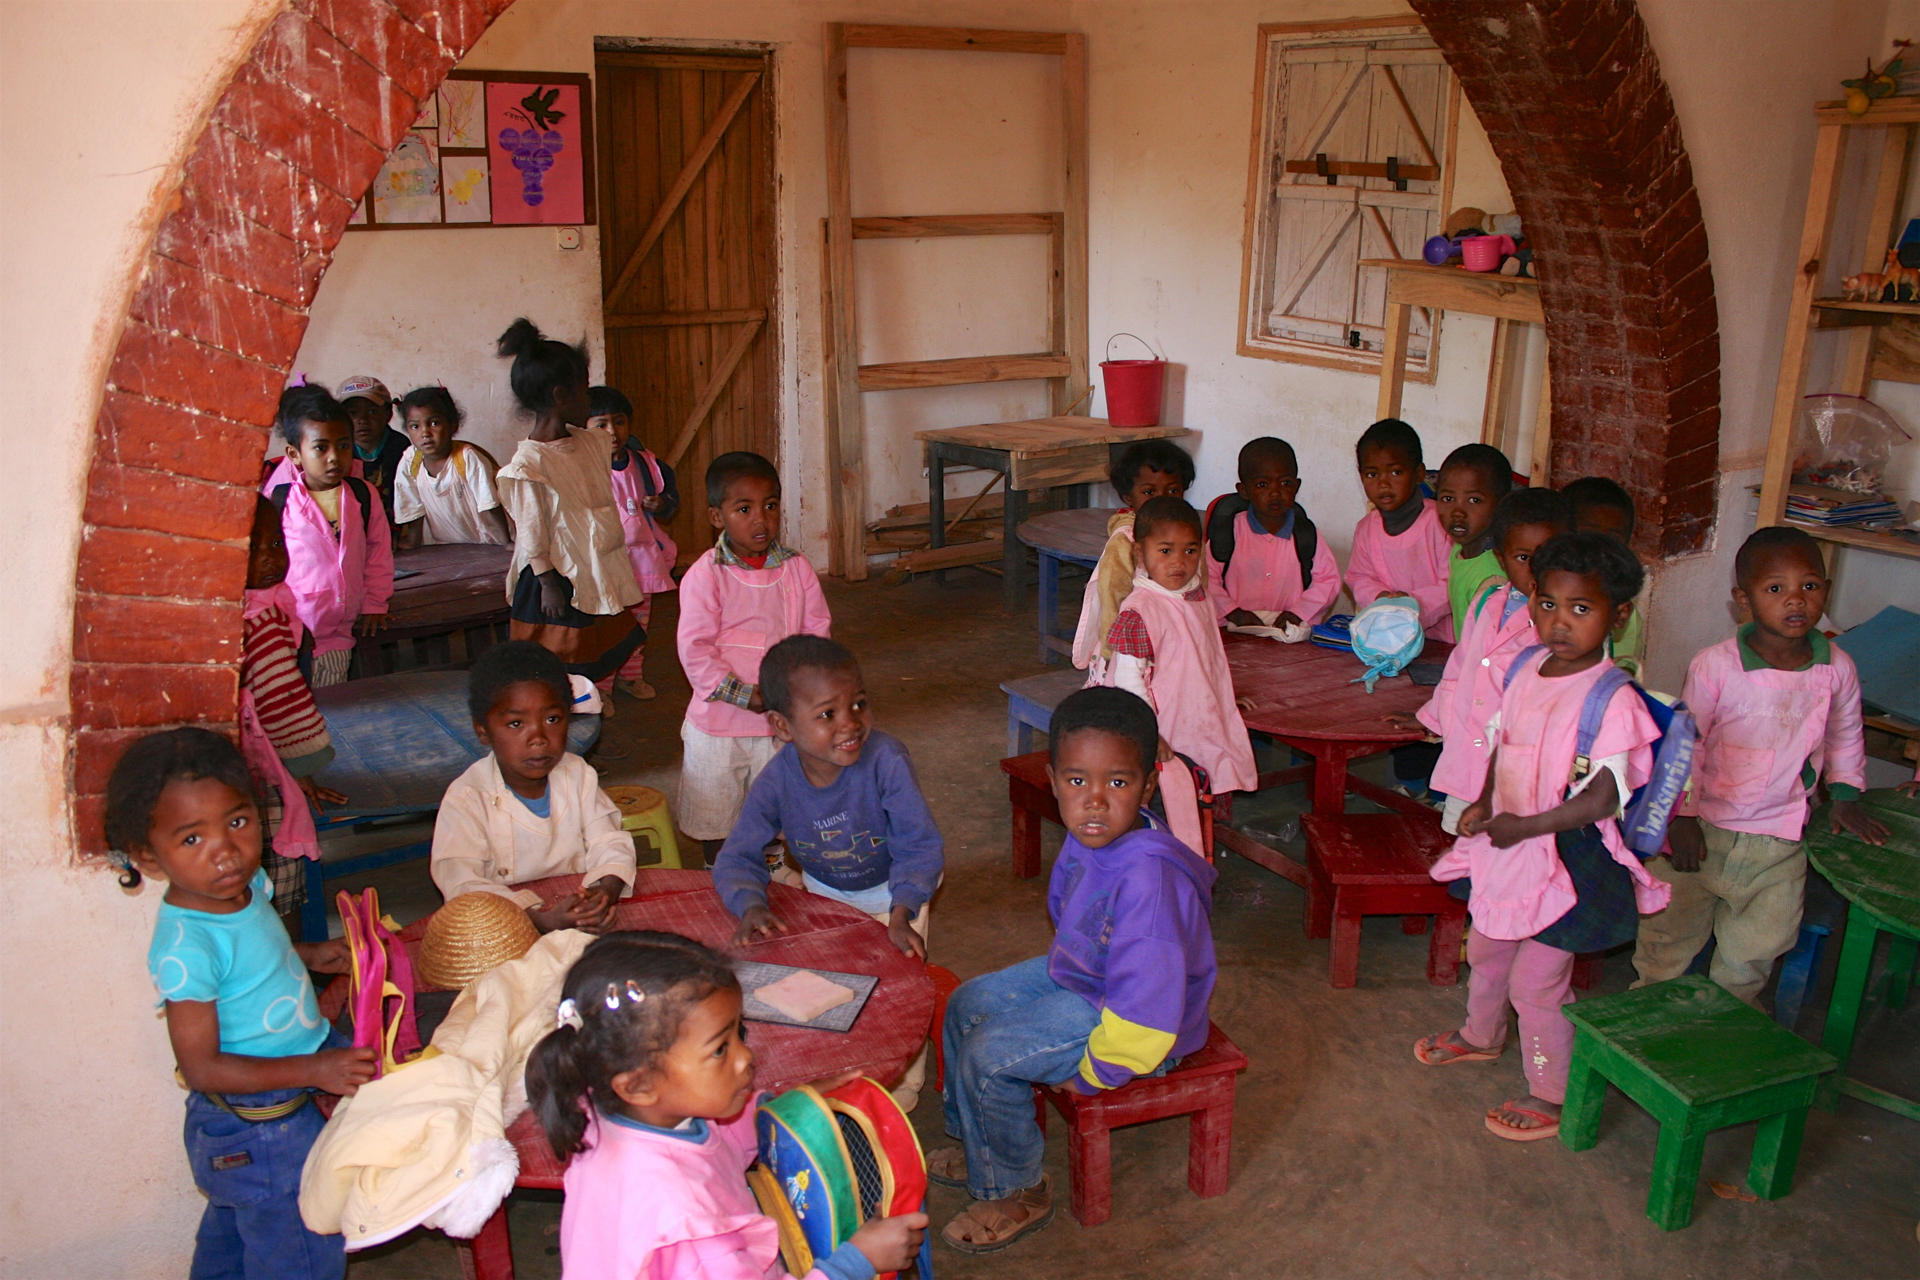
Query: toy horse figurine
{"points": [[1865, 287], [1897, 275]]}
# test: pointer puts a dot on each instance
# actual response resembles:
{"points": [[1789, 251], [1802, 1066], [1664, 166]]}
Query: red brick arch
{"points": [[1570, 94], [215, 324]]}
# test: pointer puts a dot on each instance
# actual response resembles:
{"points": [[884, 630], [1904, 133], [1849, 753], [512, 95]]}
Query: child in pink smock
{"points": [[646, 1082], [1551, 876], [1400, 547], [1266, 562], [1166, 648], [1777, 707], [739, 599], [1498, 629], [647, 496], [339, 550], [1150, 469]]}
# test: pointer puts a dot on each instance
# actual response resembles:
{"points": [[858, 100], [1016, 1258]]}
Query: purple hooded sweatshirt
{"points": [[1133, 937]]}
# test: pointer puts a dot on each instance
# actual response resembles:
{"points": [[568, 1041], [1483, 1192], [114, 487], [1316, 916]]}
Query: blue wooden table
{"points": [[398, 741], [1062, 537]]}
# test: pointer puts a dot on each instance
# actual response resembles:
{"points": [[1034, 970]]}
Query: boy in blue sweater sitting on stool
{"points": [[846, 799], [1122, 993]]}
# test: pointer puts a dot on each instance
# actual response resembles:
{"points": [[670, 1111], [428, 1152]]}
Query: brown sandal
{"points": [[988, 1226], [947, 1167]]}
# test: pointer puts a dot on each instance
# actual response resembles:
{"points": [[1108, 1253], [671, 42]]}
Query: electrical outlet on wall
{"points": [[567, 237]]}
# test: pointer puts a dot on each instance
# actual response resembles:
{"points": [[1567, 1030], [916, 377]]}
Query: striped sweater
{"points": [[270, 669]]}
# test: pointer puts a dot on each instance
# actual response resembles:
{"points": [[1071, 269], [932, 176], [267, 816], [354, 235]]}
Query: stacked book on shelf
{"points": [[1818, 505]]}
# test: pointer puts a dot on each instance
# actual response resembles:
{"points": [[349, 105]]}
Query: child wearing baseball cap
{"points": [[376, 445]]}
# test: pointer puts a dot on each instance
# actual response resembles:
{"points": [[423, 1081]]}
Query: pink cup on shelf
{"points": [[1485, 253]]}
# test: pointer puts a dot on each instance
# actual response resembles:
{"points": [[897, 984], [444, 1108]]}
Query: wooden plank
{"points": [[1322, 124], [907, 514], [860, 35], [683, 183], [1413, 122], [904, 374], [1540, 475], [1880, 237], [1456, 289], [1393, 359], [667, 319], [1822, 190], [1896, 352], [1896, 110], [829, 362], [1365, 169], [718, 384], [843, 377], [1284, 299], [951, 557], [1493, 415], [1090, 463], [1073, 246], [679, 61], [956, 224], [1040, 435]]}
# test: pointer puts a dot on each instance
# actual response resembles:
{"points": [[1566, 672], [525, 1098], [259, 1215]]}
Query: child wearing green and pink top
{"points": [[1471, 483]]}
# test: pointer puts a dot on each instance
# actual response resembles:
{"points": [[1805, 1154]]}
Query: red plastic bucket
{"points": [[1134, 388]]}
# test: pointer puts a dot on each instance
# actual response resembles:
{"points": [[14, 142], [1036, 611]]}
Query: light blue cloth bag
{"points": [[1387, 637]]}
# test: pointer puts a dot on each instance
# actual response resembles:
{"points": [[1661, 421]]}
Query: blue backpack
{"points": [[1648, 811]]}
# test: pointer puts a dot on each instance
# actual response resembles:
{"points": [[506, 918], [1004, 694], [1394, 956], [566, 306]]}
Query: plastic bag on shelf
{"points": [[1844, 442]]}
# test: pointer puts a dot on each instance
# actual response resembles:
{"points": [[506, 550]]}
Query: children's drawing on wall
{"points": [[535, 142], [467, 194], [429, 117], [408, 186], [461, 120]]}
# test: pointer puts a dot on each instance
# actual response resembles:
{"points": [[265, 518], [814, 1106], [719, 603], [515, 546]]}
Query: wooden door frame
{"points": [[1066, 366]]}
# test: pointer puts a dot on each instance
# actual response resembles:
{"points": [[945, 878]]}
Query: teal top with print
{"points": [[245, 964]]}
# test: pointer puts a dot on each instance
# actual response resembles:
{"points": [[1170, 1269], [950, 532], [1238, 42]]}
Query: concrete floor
{"points": [[1349, 1158]]}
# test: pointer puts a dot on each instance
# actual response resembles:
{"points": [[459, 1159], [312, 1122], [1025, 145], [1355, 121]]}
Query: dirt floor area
{"points": [[1349, 1158]]}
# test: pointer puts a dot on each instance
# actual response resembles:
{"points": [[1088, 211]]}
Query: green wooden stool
{"points": [[1699, 1060]]}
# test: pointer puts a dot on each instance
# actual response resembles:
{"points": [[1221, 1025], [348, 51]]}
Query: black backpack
{"points": [[362, 493], [1220, 523]]}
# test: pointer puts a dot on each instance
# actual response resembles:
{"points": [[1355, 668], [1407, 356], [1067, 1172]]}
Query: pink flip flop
{"points": [[1549, 1124]]}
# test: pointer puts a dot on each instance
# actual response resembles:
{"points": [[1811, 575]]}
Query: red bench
{"points": [[1373, 864], [1202, 1087]]}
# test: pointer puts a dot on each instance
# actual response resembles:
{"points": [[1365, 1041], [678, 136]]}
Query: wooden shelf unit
{"points": [[1880, 336]]}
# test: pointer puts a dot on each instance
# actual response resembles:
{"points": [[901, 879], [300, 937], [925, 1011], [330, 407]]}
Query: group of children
{"points": [[647, 1081]]}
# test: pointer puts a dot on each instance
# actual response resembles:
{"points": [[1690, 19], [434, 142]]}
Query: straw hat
{"points": [[472, 934]]}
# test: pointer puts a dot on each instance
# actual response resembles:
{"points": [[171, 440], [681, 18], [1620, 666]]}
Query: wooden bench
{"points": [[1202, 1087], [1371, 864], [1030, 704], [1698, 1060]]}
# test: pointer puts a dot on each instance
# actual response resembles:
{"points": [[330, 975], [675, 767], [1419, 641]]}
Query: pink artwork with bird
{"points": [[537, 157]]}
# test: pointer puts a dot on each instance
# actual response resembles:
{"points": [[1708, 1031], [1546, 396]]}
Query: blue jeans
{"points": [[1006, 1032], [250, 1174]]}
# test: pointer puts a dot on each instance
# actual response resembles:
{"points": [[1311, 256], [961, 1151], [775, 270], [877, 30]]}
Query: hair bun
{"points": [[522, 338]]}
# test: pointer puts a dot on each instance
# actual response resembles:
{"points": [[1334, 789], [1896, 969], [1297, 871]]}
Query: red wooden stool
{"points": [[1032, 801], [945, 983], [1375, 864], [1201, 1087]]}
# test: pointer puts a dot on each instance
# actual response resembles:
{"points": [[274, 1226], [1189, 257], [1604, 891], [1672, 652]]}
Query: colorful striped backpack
{"points": [[830, 1162]]}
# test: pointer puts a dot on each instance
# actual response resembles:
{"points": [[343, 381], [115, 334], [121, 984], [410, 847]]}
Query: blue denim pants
{"points": [[250, 1174], [1006, 1032]]}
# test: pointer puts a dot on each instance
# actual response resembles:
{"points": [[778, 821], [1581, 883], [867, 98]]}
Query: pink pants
{"points": [[1537, 980]]}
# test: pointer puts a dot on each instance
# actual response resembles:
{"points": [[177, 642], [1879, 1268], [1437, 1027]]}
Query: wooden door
{"points": [[1362, 102], [687, 259]]}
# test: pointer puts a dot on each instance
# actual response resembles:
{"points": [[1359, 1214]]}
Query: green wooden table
{"points": [[1882, 882]]}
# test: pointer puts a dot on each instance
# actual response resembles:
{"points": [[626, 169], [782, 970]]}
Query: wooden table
{"points": [[1038, 453], [824, 934], [397, 741], [454, 588], [1882, 882], [1076, 536], [1306, 696]]}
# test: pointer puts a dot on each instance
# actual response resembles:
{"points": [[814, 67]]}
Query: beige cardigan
{"points": [[561, 500], [426, 1145], [486, 840]]}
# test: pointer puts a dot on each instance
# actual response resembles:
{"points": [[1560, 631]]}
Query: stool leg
{"points": [[1676, 1174], [1040, 1107], [1318, 918], [1343, 962], [1843, 1010], [1090, 1174], [489, 1255], [1900, 957], [1026, 842], [1776, 1150], [1443, 954], [1586, 1094], [1210, 1148]]}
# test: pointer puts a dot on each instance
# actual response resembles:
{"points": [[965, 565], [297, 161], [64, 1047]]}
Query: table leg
{"points": [[936, 503], [1049, 605], [1776, 1150], [1013, 559], [1900, 957], [489, 1255], [1849, 987], [1079, 496]]}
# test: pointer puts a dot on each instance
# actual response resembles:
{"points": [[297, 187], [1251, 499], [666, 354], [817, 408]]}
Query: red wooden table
{"points": [[452, 589], [1306, 696], [823, 934]]}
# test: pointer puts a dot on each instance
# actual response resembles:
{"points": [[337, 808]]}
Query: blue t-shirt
{"points": [[869, 829], [244, 963]]}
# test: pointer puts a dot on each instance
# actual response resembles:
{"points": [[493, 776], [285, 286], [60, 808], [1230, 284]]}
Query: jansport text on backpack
{"points": [[1648, 811], [1220, 536]]}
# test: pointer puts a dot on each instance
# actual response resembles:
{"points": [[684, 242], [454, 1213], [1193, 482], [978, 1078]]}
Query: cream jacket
{"points": [[560, 495], [426, 1145], [486, 840]]}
